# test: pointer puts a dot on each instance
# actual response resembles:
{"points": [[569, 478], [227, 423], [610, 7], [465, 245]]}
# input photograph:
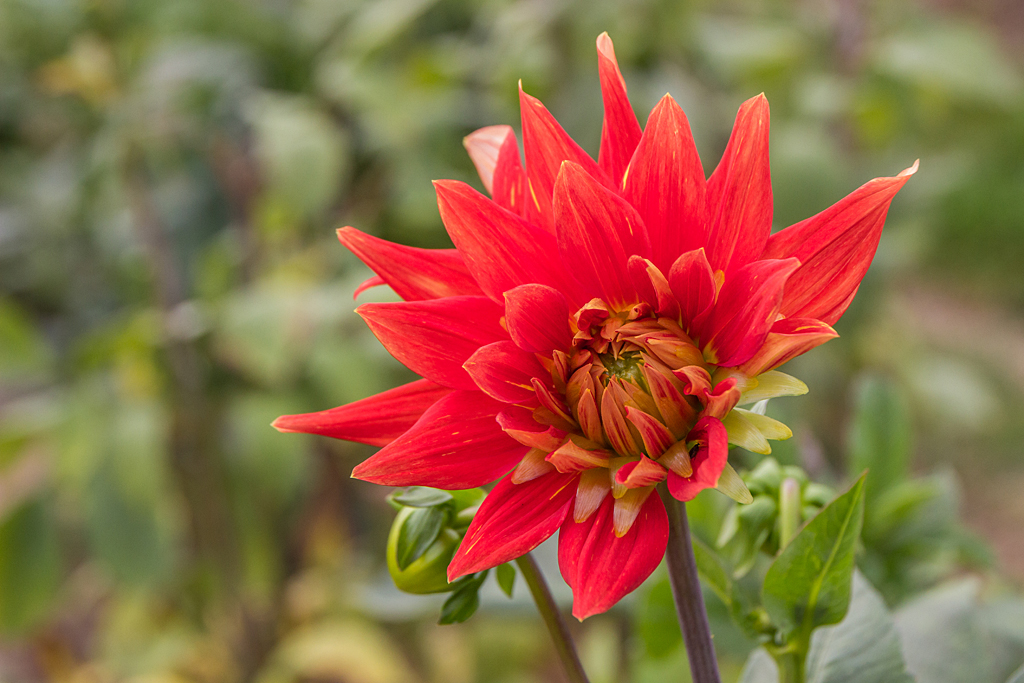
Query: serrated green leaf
{"points": [[421, 497], [506, 576], [418, 533], [809, 583]]}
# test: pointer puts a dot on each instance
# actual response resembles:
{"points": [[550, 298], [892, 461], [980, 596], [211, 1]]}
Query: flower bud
{"points": [[429, 572]]}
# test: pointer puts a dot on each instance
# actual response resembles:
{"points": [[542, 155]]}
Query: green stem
{"points": [[791, 666], [682, 574], [557, 627], [789, 510]]}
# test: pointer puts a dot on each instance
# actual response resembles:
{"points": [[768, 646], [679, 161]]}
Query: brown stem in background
{"points": [[193, 449]]}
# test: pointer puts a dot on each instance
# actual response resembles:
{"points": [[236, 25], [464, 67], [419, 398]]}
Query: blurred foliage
{"points": [[171, 172]]}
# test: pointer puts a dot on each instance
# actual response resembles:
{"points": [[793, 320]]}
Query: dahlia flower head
{"points": [[595, 332]]}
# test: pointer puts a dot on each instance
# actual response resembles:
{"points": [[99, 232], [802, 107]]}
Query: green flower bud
{"points": [[429, 572]]}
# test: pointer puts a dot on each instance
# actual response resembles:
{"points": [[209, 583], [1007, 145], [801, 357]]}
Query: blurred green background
{"points": [[171, 175]]}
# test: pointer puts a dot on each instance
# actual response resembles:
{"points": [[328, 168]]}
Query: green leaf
{"points": [[463, 602], [29, 566], [942, 639], [880, 436], [808, 584], [760, 668], [865, 647], [506, 575], [712, 570], [422, 497], [657, 623], [418, 533]]}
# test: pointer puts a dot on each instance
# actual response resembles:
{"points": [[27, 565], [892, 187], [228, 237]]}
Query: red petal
{"points": [[597, 233], [620, 132], [655, 435], [500, 248], [504, 372], [546, 146], [376, 420], [537, 317], [601, 568], [746, 309], [434, 338], [368, 283], [666, 184], [835, 249], [509, 189], [513, 520], [708, 462], [414, 274], [483, 146], [457, 444], [570, 457], [520, 425], [693, 283], [652, 286], [789, 338], [740, 192], [640, 473]]}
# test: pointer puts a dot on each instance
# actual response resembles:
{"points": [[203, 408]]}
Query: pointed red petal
{"points": [[537, 317], [520, 425], [597, 233], [376, 420], [570, 457], [601, 568], [693, 283], [655, 435], [835, 249], [546, 146], [640, 473], [789, 338], [708, 462], [620, 132], [483, 146], [501, 250], [434, 338], [509, 188], [457, 444], [665, 183], [740, 192], [504, 372], [746, 309], [368, 283], [414, 274], [513, 520]]}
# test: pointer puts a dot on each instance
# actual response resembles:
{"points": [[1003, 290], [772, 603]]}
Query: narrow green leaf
{"points": [[880, 435], [421, 497], [712, 570], [30, 566], [506, 576], [418, 533], [808, 584]]}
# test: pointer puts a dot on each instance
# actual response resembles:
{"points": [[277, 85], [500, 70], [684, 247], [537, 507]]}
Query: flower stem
{"points": [[682, 574], [553, 619]]}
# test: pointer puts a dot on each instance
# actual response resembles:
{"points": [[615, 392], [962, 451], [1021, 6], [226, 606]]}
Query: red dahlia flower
{"points": [[595, 330]]}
